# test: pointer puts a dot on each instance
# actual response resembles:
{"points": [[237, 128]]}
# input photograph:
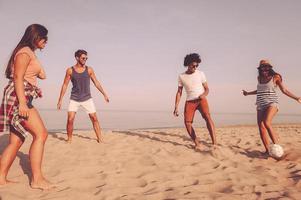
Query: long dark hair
{"points": [[32, 35], [270, 68]]}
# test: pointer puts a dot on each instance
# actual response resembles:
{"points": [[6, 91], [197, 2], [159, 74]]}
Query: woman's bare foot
{"points": [[69, 141], [5, 182], [42, 185]]}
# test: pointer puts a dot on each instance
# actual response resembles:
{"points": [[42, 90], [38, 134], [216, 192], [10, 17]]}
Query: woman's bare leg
{"points": [[270, 114], [8, 156], [39, 133], [262, 130]]}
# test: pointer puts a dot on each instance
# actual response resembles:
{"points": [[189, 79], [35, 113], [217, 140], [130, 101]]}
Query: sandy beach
{"points": [[160, 164]]}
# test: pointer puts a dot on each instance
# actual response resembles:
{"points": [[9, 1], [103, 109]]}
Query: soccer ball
{"points": [[276, 151]]}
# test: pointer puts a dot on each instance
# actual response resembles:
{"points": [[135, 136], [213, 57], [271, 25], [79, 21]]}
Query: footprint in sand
{"points": [[147, 161], [195, 182], [142, 174], [227, 189], [142, 183], [55, 173]]}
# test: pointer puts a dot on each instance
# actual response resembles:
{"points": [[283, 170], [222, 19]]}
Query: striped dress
{"points": [[266, 95]]}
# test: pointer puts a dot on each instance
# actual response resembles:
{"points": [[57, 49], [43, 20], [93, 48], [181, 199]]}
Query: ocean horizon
{"points": [[55, 120]]}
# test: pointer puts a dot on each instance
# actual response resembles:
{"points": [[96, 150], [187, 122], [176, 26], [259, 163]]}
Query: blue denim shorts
{"points": [[29, 103]]}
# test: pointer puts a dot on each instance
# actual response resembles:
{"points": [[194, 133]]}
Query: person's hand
{"points": [[59, 105], [23, 111], [202, 96], [245, 93], [299, 99], [176, 112], [107, 98]]}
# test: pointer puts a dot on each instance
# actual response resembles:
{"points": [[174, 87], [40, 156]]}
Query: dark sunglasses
{"points": [[45, 38], [195, 66], [264, 69], [84, 58]]}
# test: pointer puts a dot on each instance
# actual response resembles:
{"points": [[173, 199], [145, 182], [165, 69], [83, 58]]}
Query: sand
{"points": [[160, 164]]}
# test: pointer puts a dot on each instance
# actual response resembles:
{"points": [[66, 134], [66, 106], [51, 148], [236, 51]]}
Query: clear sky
{"points": [[136, 47]]}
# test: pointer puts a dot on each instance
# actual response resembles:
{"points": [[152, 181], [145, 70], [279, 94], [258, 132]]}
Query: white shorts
{"points": [[88, 106]]}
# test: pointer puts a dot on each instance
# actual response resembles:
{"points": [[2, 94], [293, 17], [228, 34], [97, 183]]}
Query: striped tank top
{"points": [[266, 95]]}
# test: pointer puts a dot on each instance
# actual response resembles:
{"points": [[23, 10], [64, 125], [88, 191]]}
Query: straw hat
{"points": [[264, 63]]}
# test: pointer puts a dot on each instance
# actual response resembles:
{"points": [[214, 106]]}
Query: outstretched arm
{"points": [[64, 87], [177, 101], [284, 90], [245, 93], [97, 84]]}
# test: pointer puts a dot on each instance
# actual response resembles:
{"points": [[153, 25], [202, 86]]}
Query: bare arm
{"points": [[64, 87], [42, 74], [21, 64], [284, 90], [97, 84], [245, 93], [206, 92], [177, 101]]}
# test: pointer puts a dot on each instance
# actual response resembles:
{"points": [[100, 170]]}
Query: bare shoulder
{"points": [[277, 78], [69, 71], [90, 69], [23, 56], [25, 51]]}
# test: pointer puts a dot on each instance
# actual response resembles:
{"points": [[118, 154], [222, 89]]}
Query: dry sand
{"points": [[161, 164]]}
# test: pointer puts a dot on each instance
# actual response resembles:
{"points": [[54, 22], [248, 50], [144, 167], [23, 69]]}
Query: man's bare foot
{"points": [[42, 185], [69, 141], [99, 140], [197, 147], [214, 147]]}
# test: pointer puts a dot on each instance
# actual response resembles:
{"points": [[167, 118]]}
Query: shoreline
{"points": [[179, 127]]}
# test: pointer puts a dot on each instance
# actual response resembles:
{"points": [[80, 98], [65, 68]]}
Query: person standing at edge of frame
{"points": [[17, 113], [267, 101]]}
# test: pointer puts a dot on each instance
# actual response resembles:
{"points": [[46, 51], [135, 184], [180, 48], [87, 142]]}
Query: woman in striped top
{"points": [[267, 101]]}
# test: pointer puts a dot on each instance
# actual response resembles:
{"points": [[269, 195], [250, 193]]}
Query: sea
{"points": [[55, 120]]}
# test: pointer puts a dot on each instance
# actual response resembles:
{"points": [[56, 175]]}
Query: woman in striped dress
{"points": [[267, 101]]}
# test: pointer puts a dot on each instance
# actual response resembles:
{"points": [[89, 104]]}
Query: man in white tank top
{"points": [[196, 87]]}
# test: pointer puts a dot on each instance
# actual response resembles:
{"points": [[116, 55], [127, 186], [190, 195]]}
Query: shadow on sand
{"points": [[153, 136], [63, 136]]}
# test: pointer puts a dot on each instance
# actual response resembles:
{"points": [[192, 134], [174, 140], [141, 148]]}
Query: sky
{"points": [[137, 47]]}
